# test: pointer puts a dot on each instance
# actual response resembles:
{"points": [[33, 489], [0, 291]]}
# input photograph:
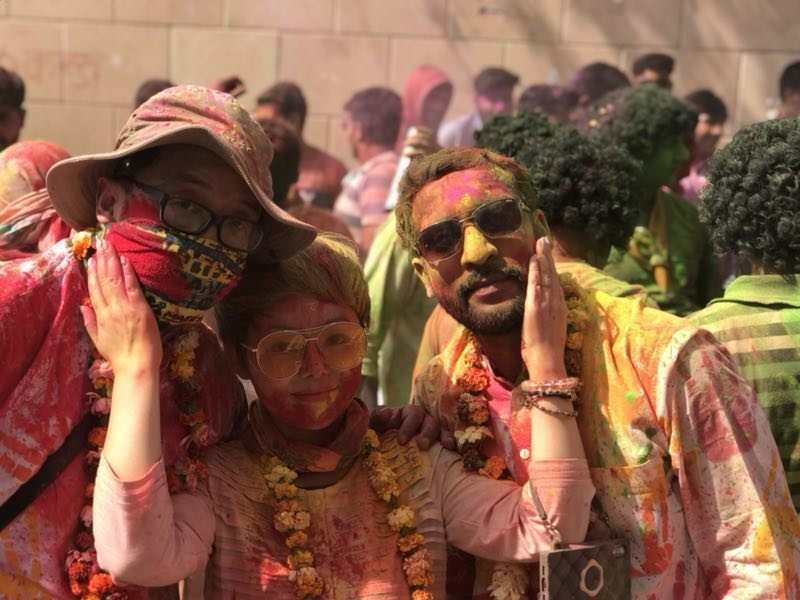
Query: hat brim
{"points": [[72, 186]]}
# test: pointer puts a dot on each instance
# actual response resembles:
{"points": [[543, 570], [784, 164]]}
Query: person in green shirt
{"points": [[751, 209], [669, 252]]}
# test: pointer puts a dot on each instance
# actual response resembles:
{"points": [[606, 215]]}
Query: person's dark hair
{"points": [[432, 167], [494, 80], [663, 64], [12, 89], [597, 79], [706, 101], [285, 165], [288, 98], [639, 119], [150, 88], [378, 110], [580, 184], [555, 101], [790, 80], [752, 203]]}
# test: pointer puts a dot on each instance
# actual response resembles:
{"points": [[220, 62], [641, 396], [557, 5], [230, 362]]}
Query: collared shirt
{"points": [[460, 131], [399, 308], [758, 321], [362, 203], [680, 453]]}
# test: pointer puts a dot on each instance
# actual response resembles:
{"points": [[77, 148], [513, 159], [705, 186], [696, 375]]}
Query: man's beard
{"points": [[492, 320]]}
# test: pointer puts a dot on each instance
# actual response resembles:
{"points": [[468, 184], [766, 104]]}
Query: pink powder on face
{"points": [[471, 185]]}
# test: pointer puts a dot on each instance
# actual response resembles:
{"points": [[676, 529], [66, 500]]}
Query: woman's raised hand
{"points": [[544, 325], [119, 321]]}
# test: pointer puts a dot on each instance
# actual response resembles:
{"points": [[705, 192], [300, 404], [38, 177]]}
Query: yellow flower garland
{"points": [[292, 519]]}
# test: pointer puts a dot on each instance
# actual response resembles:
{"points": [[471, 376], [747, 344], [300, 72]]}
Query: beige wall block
{"points": [[758, 85], [330, 69], [315, 131], [540, 63], [34, 51], [461, 61], [744, 24], [189, 12], [203, 55], [505, 19], [93, 10], [415, 17], [695, 69], [622, 21], [118, 118], [106, 63], [80, 129], [309, 15]]}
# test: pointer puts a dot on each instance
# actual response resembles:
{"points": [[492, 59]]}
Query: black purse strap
{"points": [[55, 464]]}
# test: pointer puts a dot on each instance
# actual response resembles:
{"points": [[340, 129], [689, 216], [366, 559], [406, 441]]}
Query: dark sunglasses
{"points": [[445, 238]]}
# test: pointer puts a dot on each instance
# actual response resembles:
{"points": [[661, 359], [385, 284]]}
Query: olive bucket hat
{"points": [[195, 115]]}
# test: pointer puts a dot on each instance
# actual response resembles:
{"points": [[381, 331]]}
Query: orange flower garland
{"points": [[509, 581], [86, 580], [293, 519]]}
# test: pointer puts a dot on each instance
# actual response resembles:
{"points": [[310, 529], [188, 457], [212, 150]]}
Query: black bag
{"points": [[596, 571]]}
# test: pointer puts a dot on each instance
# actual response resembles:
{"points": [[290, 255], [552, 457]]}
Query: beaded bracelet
{"points": [[533, 402], [567, 388]]}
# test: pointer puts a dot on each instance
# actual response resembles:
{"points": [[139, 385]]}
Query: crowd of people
{"points": [[234, 368]]}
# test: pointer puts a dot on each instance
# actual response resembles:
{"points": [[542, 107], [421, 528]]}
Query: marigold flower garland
{"points": [[509, 581], [86, 580], [292, 519]]}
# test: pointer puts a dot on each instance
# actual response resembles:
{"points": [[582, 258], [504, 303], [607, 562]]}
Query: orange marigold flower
{"points": [[421, 595], [299, 559], [417, 568], [494, 467], [297, 540], [97, 436], [101, 583], [285, 490], [77, 589], [80, 244], [473, 379], [308, 582], [79, 571], [409, 542], [371, 440]]}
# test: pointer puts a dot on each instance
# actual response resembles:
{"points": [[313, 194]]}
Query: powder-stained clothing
{"points": [[680, 453], [758, 321], [440, 326], [399, 309], [45, 355], [692, 266], [460, 131], [146, 536], [362, 203]]}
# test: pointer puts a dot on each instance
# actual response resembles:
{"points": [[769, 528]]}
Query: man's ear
{"points": [[422, 272], [111, 201]]}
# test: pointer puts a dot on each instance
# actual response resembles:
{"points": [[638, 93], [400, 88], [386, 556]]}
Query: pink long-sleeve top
{"points": [[145, 536]]}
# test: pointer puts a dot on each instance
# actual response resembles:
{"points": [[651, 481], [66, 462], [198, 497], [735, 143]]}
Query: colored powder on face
{"points": [[471, 186]]}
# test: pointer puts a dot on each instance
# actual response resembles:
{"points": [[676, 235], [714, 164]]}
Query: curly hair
{"points": [[579, 183], [640, 119], [431, 167], [752, 205]]}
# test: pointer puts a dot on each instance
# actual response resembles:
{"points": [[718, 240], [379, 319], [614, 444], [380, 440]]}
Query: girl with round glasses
{"points": [[308, 502]]}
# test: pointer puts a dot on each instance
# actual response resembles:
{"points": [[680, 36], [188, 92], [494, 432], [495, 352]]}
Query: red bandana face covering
{"points": [[182, 275]]}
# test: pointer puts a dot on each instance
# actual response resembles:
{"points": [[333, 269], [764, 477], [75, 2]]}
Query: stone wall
{"points": [[83, 59]]}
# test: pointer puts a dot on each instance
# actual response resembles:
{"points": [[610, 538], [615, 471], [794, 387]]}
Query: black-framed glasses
{"points": [[187, 216], [445, 238], [280, 354]]}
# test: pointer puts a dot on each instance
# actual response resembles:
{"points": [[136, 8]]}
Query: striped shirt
{"points": [[362, 202], [758, 321]]}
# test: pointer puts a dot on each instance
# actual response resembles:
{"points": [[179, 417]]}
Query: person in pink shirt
{"points": [[711, 117], [308, 502]]}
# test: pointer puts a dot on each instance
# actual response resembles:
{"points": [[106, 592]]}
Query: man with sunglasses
{"points": [[681, 454]]}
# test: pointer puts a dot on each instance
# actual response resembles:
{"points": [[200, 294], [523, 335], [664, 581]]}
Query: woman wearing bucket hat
{"points": [[185, 198]]}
